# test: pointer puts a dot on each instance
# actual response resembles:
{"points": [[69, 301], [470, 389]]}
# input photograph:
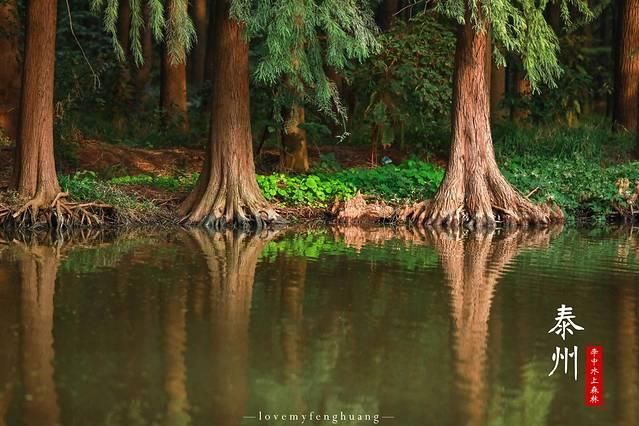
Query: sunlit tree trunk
{"points": [[626, 107], [35, 173], [173, 96], [38, 268], [474, 192], [10, 69], [200, 16], [227, 191], [294, 155]]}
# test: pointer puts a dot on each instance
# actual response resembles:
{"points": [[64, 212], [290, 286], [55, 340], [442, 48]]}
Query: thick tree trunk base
{"points": [[484, 200], [43, 212], [219, 205]]}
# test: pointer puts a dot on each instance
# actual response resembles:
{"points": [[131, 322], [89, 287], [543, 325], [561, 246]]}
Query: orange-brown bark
{"points": [[34, 172], [626, 107], [294, 155], [227, 192], [474, 192], [173, 95], [200, 16], [10, 70]]}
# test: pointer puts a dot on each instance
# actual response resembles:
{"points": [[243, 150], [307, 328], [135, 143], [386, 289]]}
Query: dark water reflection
{"points": [[191, 328]]}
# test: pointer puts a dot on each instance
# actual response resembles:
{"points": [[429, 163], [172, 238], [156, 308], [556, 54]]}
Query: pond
{"points": [[354, 325]]}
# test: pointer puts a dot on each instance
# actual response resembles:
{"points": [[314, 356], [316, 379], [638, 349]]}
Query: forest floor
{"points": [[588, 187]]}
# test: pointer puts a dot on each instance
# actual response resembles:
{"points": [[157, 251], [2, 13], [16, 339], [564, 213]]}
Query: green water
{"points": [[405, 327]]}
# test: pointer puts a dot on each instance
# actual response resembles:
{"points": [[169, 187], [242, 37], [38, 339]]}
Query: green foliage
{"points": [[519, 26], [312, 190], [298, 41], [406, 89], [171, 183], [85, 185]]}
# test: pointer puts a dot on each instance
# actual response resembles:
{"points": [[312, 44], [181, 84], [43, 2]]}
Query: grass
{"points": [[576, 168]]}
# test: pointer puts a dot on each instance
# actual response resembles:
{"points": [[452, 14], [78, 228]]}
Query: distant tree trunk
{"points": [[173, 96], [227, 192], [10, 69], [521, 91], [34, 172], [122, 95], [497, 92], [386, 13], [209, 60], [626, 112], [294, 155], [198, 57], [143, 74], [474, 192]]}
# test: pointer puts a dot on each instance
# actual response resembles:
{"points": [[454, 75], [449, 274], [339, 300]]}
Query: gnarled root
{"points": [[238, 208], [57, 214], [483, 202], [357, 210]]}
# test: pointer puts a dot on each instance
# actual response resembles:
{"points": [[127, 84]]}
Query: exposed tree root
{"points": [[487, 202], [357, 210], [239, 208], [57, 214]]}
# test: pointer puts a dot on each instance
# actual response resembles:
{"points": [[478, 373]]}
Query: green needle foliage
{"points": [[519, 26], [299, 41]]}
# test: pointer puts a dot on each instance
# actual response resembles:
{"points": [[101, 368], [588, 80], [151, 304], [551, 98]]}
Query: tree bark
{"points": [[34, 172], [521, 90], [294, 155], [10, 69], [474, 192], [497, 92], [198, 59], [143, 73], [173, 97], [386, 13], [626, 107], [227, 192]]}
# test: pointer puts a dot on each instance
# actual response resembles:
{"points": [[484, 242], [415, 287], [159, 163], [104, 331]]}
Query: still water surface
{"points": [[423, 328]]}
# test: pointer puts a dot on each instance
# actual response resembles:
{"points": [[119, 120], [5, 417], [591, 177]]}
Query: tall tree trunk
{"points": [[198, 57], [122, 95], [34, 172], [227, 190], [143, 74], [294, 155], [626, 112], [10, 69], [474, 192], [173, 97]]}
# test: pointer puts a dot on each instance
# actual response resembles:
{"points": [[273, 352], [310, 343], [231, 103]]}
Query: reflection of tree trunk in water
{"points": [[9, 312], [174, 313], [293, 277], [231, 260], [473, 267], [38, 268], [627, 352]]}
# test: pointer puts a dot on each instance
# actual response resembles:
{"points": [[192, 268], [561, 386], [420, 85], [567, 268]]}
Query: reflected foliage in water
{"points": [[197, 328]]}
